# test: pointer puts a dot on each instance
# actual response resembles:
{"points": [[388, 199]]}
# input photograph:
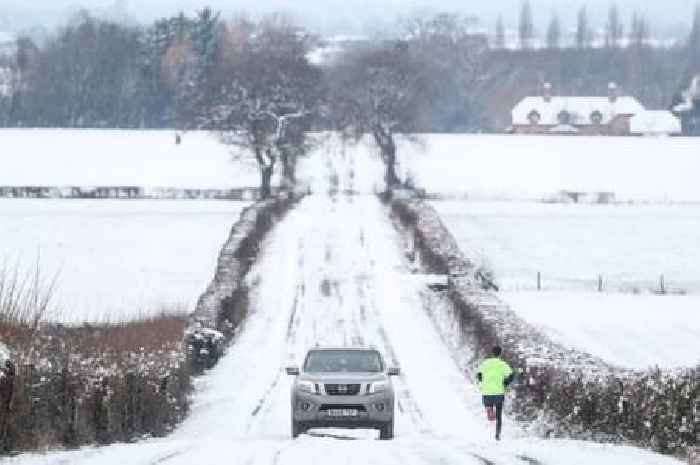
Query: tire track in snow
{"points": [[405, 401], [168, 457], [263, 399], [529, 460], [481, 459], [294, 321]]}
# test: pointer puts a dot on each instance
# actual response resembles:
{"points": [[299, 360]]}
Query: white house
{"points": [[594, 115]]}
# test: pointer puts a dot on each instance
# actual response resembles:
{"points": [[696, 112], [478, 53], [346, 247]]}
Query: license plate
{"points": [[344, 412]]}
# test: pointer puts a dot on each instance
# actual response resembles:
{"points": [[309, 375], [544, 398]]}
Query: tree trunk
{"points": [[389, 157], [266, 181], [387, 146], [266, 162], [288, 169]]}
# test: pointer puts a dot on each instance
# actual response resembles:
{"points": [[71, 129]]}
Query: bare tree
{"points": [[613, 28], [379, 91], [453, 58], [266, 84], [526, 29], [583, 32], [554, 32]]}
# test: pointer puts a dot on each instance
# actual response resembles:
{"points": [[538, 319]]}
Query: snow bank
{"points": [[536, 167], [66, 157]]}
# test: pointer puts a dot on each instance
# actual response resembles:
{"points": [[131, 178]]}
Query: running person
{"points": [[494, 376]]}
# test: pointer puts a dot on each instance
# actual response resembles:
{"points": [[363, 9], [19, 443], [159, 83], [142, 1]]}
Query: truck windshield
{"points": [[348, 361]]}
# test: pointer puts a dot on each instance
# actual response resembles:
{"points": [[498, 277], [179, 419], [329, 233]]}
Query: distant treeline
{"points": [[172, 73]]}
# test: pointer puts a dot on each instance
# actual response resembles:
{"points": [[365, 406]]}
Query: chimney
{"points": [[547, 92], [613, 92]]}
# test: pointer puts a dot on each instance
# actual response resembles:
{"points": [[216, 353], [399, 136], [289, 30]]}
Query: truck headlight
{"points": [[378, 386], [307, 386]]}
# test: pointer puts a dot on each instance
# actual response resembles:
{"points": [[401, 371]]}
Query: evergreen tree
{"points": [[526, 27], [554, 32], [500, 40], [613, 28], [639, 32], [583, 33], [693, 45]]}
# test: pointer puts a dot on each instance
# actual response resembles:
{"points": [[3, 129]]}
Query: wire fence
{"points": [[660, 284]]}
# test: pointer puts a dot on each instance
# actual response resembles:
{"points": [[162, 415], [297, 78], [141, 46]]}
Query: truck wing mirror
{"points": [[292, 370]]}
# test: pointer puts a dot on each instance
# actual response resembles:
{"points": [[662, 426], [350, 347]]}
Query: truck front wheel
{"points": [[386, 432]]}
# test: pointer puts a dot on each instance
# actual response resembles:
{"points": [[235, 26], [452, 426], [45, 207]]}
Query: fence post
{"points": [[662, 285], [539, 281], [600, 283]]}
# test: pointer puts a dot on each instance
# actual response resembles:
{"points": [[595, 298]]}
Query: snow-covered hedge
{"points": [[224, 304], [561, 391], [59, 397]]}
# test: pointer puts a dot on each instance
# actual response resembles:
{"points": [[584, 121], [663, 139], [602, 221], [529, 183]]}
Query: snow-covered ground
{"points": [[571, 245], [626, 330], [535, 167], [630, 246], [64, 157], [333, 272], [116, 258]]}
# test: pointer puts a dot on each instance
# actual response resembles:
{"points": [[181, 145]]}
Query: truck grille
{"points": [[342, 389], [326, 407]]}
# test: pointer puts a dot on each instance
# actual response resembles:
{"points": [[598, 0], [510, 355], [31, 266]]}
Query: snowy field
{"points": [[625, 330], [118, 259], [65, 157], [535, 167], [629, 245]]}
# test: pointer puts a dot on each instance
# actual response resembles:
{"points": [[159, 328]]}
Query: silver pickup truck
{"points": [[343, 388]]}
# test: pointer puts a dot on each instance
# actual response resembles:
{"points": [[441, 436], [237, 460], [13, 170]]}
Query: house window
{"points": [[564, 117], [596, 117], [534, 117]]}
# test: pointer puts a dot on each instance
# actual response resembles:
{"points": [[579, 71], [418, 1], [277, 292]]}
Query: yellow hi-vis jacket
{"points": [[494, 373]]}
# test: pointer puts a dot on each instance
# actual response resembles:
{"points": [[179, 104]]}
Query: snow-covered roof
{"points": [[580, 109], [655, 122]]}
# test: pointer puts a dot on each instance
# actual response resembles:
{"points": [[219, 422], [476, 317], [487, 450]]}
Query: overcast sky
{"points": [[328, 15]]}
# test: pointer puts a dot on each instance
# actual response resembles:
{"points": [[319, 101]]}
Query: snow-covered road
{"points": [[333, 272]]}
